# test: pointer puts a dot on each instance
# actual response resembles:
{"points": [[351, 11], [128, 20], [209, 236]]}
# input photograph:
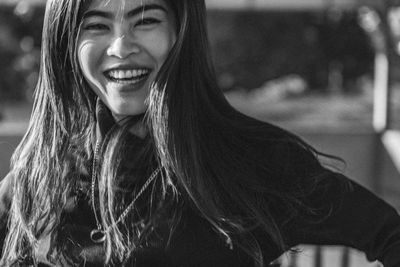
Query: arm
{"points": [[330, 209], [354, 217]]}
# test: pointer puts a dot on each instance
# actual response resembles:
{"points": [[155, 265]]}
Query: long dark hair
{"points": [[206, 148]]}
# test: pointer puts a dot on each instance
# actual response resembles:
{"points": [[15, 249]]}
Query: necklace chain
{"points": [[99, 232]]}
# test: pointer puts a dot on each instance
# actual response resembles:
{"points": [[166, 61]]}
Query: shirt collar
{"points": [[105, 122], [138, 150]]}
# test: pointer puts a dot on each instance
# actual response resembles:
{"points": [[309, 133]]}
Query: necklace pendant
{"points": [[98, 236]]}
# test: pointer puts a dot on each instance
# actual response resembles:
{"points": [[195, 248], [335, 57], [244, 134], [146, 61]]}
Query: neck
{"points": [[138, 129]]}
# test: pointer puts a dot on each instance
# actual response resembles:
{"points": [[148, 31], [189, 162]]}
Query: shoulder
{"points": [[292, 166], [286, 156]]}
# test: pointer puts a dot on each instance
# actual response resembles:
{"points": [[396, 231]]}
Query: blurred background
{"points": [[326, 69]]}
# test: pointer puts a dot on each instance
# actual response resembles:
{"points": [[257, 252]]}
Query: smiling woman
{"points": [[133, 156]]}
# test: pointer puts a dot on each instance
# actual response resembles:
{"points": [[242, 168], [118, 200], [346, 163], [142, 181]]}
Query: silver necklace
{"points": [[99, 234]]}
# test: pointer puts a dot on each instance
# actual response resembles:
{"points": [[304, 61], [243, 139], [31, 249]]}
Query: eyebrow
{"points": [[131, 13]]}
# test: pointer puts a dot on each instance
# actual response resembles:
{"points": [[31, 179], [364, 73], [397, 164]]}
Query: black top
{"points": [[354, 218]]}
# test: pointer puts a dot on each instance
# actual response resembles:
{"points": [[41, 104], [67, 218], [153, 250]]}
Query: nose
{"points": [[121, 47]]}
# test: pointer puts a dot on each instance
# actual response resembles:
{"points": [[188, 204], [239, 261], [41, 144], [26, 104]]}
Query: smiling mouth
{"points": [[131, 76]]}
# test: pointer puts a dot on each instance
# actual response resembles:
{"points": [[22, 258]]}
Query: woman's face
{"points": [[121, 47]]}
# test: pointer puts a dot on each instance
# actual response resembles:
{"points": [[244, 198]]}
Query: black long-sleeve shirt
{"points": [[354, 217], [361, 220]]}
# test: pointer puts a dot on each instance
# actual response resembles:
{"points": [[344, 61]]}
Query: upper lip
{"points": [[125, 67]]}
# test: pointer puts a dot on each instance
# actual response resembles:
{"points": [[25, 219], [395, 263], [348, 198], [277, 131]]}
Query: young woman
{"points": [[133, 157]]}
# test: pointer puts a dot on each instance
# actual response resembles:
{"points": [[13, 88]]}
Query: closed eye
{"points": [[96, 27], [147, 22]]}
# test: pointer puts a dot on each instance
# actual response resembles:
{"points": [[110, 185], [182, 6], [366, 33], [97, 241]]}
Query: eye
{"points": [[147, 22], [96, 27]]}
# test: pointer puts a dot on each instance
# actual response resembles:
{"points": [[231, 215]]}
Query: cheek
{"points": [[159, 45], [88, 57]]}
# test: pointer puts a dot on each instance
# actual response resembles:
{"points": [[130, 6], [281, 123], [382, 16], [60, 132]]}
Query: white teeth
{"points": [[127, 74]]}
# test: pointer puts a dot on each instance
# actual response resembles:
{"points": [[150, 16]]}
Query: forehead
{"points": [[122, 5]]}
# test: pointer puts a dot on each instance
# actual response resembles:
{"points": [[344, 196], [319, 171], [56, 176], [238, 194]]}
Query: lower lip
{"points": [[129, 86]]}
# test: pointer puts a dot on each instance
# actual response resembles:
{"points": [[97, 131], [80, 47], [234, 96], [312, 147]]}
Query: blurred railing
{"points": [[312, 256]]}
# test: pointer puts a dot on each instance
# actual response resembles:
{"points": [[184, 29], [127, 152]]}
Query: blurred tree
{"points": [[252, 47], [19, 45]]}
